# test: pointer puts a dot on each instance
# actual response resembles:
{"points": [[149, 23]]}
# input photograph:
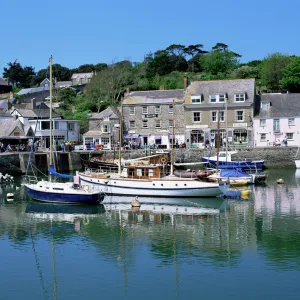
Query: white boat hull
{"points": [[155, 188], [297, 162]]}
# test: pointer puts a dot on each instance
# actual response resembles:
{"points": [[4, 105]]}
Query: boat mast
{"points": [[226, 130], [120, 138], [172, 149], [50, 62], [218, 137]]}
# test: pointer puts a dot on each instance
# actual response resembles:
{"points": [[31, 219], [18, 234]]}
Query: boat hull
{"points": [[66, 198], [297, 163], [259, 164], [155, 188]]}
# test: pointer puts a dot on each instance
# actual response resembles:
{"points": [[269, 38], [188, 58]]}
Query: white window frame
{"points": [[219, 98], [132, 110], [106, 126], [263, 135], [104, 141], [157, 109], [132, 124], [150, 172], [237, 115], [145, 124], [291, 121], [145, 110], [290, 138], [262, 122], [157, 123], [171, 124], [56, 125], [196, 99], [239, 97], [212, 116], [222, 115], [71, 126], [200, 116], [106, 119], [139, 172], [171, 109]]}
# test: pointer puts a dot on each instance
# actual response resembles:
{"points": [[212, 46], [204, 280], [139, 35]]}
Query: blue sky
{"points": [[93, 31]]}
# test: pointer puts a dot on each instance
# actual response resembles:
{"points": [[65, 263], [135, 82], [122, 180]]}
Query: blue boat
{"points": [[224, 159]]}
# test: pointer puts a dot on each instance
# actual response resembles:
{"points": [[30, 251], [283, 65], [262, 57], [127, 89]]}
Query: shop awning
{"points": [[145, 134], [131, 136], [171, 136], [158, 137]]}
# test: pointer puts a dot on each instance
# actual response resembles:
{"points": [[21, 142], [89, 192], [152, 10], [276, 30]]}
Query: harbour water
{"points": [[206, 248]]}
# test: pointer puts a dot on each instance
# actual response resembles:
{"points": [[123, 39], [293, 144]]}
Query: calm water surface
{"points": [[212, 249]]}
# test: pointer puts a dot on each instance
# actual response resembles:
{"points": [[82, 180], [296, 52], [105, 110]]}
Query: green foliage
{"points": [[272, 70], [219, 61], [291, 76], [247, 72]]}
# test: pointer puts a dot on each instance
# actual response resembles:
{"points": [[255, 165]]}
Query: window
{"points": [[171, 123], [56, 125], [139, 172], [71, 126], [197, 136], [170, 109], [106, 118], [150, 172], [145, 123], [239, 97], [45, 125], [196, 116], [222, 115], [157, 123], [157, 109], [106, 128], [276, 125], [217, 98], [104, 141], [132, 124], [132, 110], [145, 110], [214, 116], [263, 137], [290, 136], [239, 115], [196, 99], [262, 122], [291, 122]]}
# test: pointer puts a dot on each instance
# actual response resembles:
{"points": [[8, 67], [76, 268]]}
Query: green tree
{"points": [[220, 60], [160, 64], [291, 76], [272, 70], [107, 86], [66, 97], [247, 72]]}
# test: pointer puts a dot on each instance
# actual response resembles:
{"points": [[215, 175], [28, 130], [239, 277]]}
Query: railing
{"points": [[30, 179]]}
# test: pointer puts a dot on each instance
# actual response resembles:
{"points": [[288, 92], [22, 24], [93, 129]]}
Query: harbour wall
{"points": [[16, 163]]}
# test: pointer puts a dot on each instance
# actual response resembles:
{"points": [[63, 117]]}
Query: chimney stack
{"points": [[127, 92], [185, 82]]}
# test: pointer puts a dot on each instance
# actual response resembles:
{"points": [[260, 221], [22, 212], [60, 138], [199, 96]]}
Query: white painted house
{"points": [[278, 120]]}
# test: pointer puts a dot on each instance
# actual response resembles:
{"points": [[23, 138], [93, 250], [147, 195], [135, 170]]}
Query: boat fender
{"points": [[135, 202], [163, 160], [280, 181], [10, 197]]}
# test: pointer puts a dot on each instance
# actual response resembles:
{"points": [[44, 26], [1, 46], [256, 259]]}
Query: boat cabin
{"points": [[143, 172]]}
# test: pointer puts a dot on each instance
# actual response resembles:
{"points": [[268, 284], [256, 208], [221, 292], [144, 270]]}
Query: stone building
{"points": [[278, 120], [104, 129], [205, 107], [81, 78], [149, 115]]}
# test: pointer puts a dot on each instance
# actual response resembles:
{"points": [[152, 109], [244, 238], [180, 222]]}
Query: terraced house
{"points": [[229, 103], [149, 116]]}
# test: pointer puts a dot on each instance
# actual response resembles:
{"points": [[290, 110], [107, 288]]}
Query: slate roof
{"points": [[32, 90], [149, 97], [60, 84], [281, 105], [228, 87], [82, 75], [3, 82], [34, 113], [7, 126], [111, 112]]}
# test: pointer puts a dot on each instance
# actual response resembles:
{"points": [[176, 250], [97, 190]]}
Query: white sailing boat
{"points": [[58, 192], [151, 179]]}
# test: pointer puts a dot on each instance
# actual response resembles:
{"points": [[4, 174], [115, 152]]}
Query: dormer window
{"points": [[241, 97], [219, 98], [197, 99], [106, 118], [265, 106]]}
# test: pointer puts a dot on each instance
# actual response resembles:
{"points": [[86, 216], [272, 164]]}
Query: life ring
{"points": [[163, 160]]}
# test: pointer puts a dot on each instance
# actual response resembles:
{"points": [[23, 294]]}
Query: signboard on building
{"points": [[151, 116], [239, 125]]}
